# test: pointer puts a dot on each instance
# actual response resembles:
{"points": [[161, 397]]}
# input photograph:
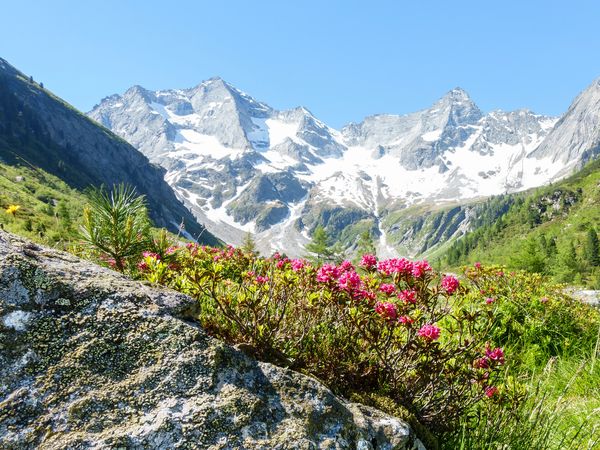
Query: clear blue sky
{"points": [[343, 60]]}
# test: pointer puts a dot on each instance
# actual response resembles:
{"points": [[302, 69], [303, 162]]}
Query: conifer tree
{"points": [[591, 249], [566, 263], [551, 249], [116, 224], [530, 258], [62, 213], [318, 248], [248, 245], [365, 244]]}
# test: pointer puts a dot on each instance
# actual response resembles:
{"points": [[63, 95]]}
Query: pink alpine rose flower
{"points": [[490, 391], [327, 273], [298, 264], [388, 289], [346, 266], [391, 266], [368, 261], [363, 294], [496, 355], [406, 320], [408, 296], [420, 268], [450, 284], [429, 332], [386, 310], [349, 281], [151, 255], [481, 363], [261, 280]]}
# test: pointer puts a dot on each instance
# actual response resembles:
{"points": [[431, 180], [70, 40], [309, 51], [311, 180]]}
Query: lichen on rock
{"points": [[91, 359]]}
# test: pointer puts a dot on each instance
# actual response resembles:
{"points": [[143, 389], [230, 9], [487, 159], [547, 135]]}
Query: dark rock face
{"points": [[332, 218], [90, 359], [266, 199], [555, 204], [271, 215]]}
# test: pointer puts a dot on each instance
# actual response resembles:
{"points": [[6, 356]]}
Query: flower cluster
{"points": [[429, 332], [378, 324], [386, 310], [400, 266], [349, 281], [387, 288], [408, 296], [450, 284], [298, 264], [368, 262]]}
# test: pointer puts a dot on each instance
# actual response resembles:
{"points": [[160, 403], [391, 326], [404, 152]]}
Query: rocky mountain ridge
{"points": [[39, 130], [242, 166]]}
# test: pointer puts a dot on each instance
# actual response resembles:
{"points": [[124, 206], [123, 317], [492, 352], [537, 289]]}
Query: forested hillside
{"points": [[552, 230]]}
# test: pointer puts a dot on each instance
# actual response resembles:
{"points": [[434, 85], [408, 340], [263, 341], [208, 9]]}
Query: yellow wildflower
{"points": [[12, 209]]}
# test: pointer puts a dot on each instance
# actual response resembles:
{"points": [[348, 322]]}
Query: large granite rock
{"points": [[91, 359]]}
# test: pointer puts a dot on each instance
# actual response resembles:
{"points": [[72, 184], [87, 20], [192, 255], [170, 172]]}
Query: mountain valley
{"points": [[244, 167]]}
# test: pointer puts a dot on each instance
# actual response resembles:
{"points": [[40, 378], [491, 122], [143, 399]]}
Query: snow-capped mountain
{"points": [[576, 136], [242, 166]]}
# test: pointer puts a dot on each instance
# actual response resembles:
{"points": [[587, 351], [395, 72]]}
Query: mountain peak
{"points": [[459, 106], [588, 99], [458, 92], [218, 83], [593, 89], [576, 136], [456, 96], [136, 90], [215, 81]]}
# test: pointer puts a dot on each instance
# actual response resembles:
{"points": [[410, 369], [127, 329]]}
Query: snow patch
{"points": [[432, 135], [280, 130]]}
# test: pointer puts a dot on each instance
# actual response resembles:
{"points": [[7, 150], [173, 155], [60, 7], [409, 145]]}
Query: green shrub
{"points": [[398, 332], [536, 320], [115, 225], [398, 329]]}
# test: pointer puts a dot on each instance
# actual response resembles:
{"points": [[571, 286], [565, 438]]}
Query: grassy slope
{"points": [[49, 209], [504, 242]]}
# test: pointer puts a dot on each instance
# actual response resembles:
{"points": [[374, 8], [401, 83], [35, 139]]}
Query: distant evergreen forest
{"points": [[552, 230]]}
